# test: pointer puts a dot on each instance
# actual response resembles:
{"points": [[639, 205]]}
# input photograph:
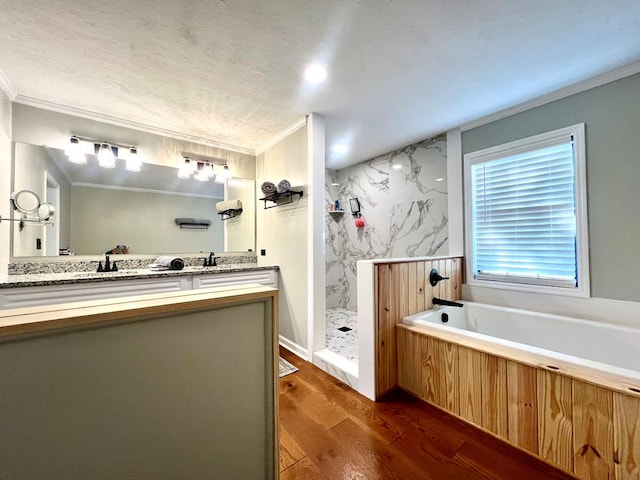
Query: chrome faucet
{"points": [[449, 303]]}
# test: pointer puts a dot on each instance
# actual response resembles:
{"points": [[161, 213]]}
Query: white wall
{"points": [[103, 218], [5, 179], [240, 231], [282, 232]]}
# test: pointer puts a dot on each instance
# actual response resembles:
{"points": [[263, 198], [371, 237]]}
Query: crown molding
{"points": [[121, 122], [301, 122], [588, 84], [7, 87]]}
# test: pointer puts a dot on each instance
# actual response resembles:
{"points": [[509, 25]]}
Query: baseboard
{"points": [[294, 348]]}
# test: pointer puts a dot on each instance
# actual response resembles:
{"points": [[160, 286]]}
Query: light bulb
{"points": [[208, 170], [224, 175]]}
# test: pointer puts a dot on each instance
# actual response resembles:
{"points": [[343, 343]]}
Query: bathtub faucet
{"points": [[449, 303]]}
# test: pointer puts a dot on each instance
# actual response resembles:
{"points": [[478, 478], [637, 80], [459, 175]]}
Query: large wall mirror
{"points": [[98, 209]]}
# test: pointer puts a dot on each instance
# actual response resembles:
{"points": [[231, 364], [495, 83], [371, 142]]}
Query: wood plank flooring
{"points": [[329, 431]]}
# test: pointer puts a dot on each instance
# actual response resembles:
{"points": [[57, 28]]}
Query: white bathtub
{"points": [[596, 352]]}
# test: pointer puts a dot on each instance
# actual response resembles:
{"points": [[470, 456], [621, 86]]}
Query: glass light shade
{"points": [[74, 151], [201, 174], [186, 169], [226, 174], [106, 158], [208, 169], [134, 164]]}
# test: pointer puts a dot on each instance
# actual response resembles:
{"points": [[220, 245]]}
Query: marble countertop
{"points": [[34, 280]]}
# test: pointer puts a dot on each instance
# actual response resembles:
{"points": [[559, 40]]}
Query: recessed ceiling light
{"points": [[440, 179], [315, 73], [340, 148], [397, 166]]}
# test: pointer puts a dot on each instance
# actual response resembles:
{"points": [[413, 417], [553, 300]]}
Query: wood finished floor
{"points": [[329, 431]]}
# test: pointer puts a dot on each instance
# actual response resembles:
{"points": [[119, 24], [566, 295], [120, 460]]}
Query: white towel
{"points": [[284, 186], [228, 205], [167, 263]]}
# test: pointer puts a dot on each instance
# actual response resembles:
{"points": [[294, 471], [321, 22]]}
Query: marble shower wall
{"points": [[405, 213]]}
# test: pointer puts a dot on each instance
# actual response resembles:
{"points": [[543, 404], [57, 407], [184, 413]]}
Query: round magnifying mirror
{"points": [[45, 211], [25, 201]]}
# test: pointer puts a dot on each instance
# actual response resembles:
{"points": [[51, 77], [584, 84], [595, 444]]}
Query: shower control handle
{"points": [[435, 277]]}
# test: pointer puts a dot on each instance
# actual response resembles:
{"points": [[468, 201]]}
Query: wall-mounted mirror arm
{"points": [[27, 202], [22, 224]]}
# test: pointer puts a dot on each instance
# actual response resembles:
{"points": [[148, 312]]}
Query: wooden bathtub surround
{"points": [[178, 385], [401, 289], [591, 431]]}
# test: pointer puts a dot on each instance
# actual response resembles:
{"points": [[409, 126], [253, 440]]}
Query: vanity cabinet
{"points": [[18, 297], [263, 277], [49, 294]]}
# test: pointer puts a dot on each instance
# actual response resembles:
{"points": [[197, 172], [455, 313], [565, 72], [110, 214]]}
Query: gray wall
{"points": [[405, 212], [611, 114], [145, 222], [183, 396]]}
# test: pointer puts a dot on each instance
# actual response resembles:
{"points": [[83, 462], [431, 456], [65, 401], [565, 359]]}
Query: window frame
{"points": [[580, 188]]}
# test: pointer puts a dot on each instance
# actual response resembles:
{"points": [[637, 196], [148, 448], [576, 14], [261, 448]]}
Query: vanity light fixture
{"points": [[203, 170], [107, 152]]}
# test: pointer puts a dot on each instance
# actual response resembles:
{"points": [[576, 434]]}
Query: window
{"points": [[526, 216]]}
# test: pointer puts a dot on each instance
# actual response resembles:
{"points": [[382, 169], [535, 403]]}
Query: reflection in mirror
{"points": [[98, 209]]}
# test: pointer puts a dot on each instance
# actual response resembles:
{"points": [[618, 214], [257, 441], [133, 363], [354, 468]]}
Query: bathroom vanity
{"points": [[169, 385], [43, 289]]}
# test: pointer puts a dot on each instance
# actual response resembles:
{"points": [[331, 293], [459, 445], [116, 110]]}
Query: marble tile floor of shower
{"points": [[342, 333], [339, 358]]}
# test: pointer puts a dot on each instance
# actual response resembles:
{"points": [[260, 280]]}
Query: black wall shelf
{"points": [[280, 198]]}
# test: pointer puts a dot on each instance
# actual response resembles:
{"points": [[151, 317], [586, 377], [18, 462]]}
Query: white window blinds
{"points": [[523, 211]]}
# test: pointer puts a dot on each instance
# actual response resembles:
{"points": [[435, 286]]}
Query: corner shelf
{"points": [[278, 196], [337, 211]]}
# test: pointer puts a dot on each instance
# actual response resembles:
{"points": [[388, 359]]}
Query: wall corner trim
{"points": [[301, 122]]}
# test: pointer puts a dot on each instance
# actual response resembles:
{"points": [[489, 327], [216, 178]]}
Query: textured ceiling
{"points": [[232, 71]]}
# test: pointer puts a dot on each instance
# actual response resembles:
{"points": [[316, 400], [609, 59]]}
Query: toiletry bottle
{"points": [[337, 205]]}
